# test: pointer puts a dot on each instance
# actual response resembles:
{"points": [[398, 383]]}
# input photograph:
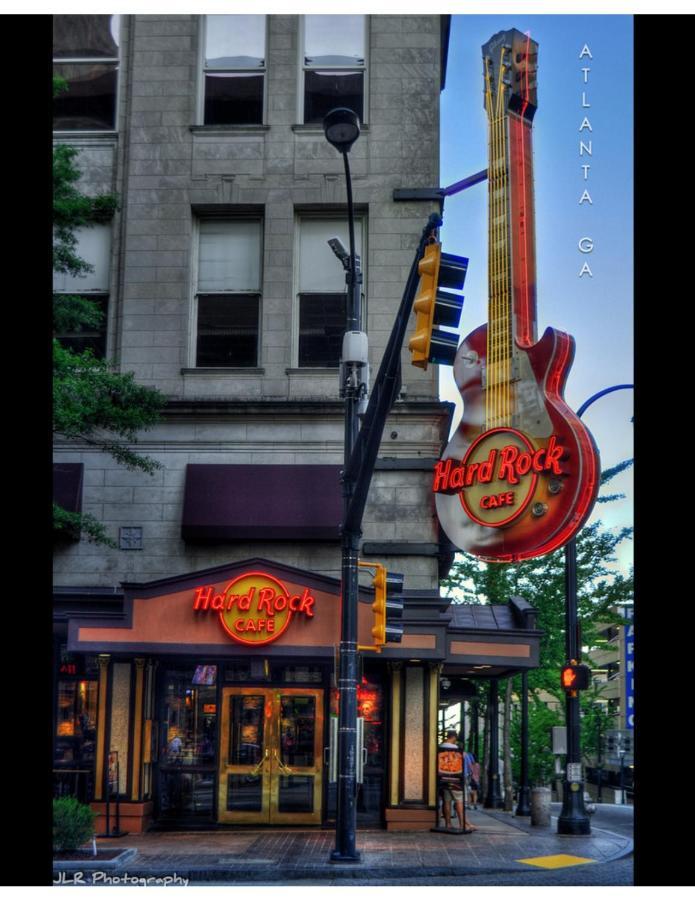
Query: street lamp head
{"points": [[342, 128]]}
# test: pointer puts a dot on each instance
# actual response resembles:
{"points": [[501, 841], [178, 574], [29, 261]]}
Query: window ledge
{"points": [[229, 129], [317, 128], [76, 134], [232, 371], [311, 370]]}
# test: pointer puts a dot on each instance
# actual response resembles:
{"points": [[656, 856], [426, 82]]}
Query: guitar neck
{"points": [[511, 222], [511, 230]]}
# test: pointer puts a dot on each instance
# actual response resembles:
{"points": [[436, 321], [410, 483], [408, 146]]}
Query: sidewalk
{"points": [[499, 844]]}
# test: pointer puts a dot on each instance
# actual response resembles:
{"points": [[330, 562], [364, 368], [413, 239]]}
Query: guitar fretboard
{"points": [[511, 254]]}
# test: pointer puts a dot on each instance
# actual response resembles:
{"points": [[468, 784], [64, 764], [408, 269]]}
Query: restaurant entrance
{"points": [[270, 760]]}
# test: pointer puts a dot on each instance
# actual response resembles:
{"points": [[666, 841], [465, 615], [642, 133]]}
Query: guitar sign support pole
{"points": [[573, 818]]}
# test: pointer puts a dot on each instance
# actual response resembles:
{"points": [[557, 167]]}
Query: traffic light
{"points": [[433, 306], [387, 606], [575, 677]]}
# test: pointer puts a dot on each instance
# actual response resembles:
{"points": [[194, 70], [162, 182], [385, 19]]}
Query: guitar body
{"points": [[552, 499]]}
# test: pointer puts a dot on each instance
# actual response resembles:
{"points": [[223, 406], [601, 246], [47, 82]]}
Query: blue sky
{"points": [[597, 311]]}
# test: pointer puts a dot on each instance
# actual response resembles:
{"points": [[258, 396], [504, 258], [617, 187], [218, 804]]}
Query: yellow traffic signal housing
{"points": [[423, 307], [433, 306], [387, 606], [379, 605]]}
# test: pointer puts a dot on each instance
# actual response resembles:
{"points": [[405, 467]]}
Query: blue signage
{"points": [[629, 668]]}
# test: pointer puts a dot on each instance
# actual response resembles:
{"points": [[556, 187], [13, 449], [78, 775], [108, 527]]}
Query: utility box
{"points": [[559, 739]]}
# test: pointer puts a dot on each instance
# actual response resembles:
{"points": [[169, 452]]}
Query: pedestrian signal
{"points": [[575, 677]]}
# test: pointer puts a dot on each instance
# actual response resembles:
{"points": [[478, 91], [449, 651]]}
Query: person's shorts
{"points": [[451, 793]]}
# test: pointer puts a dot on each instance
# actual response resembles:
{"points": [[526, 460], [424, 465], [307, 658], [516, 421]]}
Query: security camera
{"points": [[337, 247]]}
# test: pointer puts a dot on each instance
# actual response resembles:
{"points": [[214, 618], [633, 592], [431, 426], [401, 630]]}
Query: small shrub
{"points": [[73, 824]]}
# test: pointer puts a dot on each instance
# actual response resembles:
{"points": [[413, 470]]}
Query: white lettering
{"points": [[589, 148], [585, 105], [585, 270], [586, 74], [586, 197], [586, 168], [586, 244], [586, 52], [585, 124]]}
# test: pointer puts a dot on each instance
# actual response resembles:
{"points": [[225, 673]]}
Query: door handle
{"points": [[285, 769], [257, 767]]}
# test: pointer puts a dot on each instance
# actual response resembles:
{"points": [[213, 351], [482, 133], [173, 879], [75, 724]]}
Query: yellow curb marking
{"points": [[556, 862]]}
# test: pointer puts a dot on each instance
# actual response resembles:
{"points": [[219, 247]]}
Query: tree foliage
{"points": [[93, 403], [541, 581]]}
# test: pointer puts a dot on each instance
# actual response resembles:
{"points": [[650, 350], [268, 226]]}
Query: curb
{"points": [[89, 865]]}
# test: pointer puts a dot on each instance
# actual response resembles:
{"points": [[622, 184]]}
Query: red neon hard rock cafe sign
{"points": [[254, 608]]}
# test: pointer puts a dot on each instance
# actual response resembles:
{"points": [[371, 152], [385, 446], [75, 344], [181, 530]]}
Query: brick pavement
{"points": [[280, 855]]}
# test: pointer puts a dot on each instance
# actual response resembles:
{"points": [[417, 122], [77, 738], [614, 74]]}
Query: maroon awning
{"points": [[67, 486], [237, 503]]}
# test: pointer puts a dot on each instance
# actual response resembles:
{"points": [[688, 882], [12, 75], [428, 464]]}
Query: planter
{"points": [[83, 860], [540, 806]]}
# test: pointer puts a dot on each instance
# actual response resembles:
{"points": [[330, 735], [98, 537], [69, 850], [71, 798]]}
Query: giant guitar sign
{"points": [[520, 474]]}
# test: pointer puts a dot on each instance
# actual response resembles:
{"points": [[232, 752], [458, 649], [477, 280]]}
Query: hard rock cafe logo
{"points": [[254, 608], [497, 477]]}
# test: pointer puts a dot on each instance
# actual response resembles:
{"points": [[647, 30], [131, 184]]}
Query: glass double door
{"points": [[271, 756]]}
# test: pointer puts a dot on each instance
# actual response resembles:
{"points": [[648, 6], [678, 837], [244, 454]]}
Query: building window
{"points": [[322, 291], [94, 246], [234, 70], [229, 290], [85, 54], [334, 65]]}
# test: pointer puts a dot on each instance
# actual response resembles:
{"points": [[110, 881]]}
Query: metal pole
{"points": [[493, 798], [600, 760], [346, 819], [573, 817], [523, 807]]}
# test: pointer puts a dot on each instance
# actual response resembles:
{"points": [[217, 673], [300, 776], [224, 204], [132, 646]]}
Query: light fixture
{"points": [[342, 128]]}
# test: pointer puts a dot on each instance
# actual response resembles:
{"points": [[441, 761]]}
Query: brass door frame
{"points": [[226, 768], [270, 767]]}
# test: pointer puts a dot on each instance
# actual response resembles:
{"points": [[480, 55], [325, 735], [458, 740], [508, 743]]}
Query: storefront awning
{"points": [[246, 502]]}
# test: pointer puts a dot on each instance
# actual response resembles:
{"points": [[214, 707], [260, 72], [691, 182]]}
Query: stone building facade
{"points": [[220, 290], [176, 175]]}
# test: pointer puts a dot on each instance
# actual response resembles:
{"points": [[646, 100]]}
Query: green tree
{"points": [[92, 402], [541, 581]]}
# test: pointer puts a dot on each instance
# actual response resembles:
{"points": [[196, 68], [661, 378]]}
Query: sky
{"points": [[596, 310]]}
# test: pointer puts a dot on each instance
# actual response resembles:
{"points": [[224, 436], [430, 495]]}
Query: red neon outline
{"points": [[534, 477], [276, 635], [586, 478]]}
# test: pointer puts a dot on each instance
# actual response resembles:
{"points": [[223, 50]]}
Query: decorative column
{"points": [[396, 670], [137, 728], [103, 660], [434, 673]]}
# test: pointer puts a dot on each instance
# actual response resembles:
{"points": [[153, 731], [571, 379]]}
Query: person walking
{"points": [[451, 775]]}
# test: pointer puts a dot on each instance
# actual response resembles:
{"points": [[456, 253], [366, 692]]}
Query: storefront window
{"points": [[188, 742], [76, 723], [190, 716], [370, 707]]}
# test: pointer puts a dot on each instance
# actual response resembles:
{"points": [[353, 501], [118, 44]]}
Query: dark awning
{"points": [[237, 503], [67, 486]]}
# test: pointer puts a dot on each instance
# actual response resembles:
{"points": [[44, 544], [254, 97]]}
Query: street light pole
{"points": [[342, 128], [573, 818]]}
